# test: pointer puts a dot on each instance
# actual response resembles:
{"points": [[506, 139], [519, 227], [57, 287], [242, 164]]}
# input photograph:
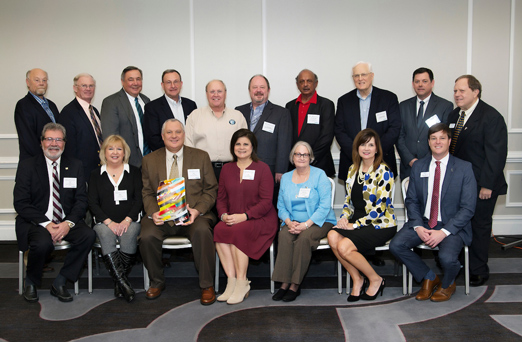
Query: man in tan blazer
{"points": [[172, 161]]}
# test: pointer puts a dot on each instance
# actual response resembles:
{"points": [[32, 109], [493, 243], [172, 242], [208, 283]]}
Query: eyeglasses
{"points": [[361, 75], [57, 140], [169, 83], [86, 86], [301, 155]]}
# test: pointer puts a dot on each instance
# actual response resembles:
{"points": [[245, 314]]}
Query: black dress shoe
{"points": [[365, 296], [290, 295], [477, 280], [30, 294], [279, 294], [61, 293], [352, 298]]}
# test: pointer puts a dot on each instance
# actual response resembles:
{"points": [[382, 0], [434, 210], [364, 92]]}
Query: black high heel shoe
{"points": [[352, 298], [365, 296]]}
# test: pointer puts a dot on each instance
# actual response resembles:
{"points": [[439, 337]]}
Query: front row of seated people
{"points": [[51, 203]]}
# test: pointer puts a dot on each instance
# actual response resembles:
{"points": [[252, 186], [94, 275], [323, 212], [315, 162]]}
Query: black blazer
{"points": [[156, 113], [30, 118], [413, 141], [483, 142], [348, 124], [82, 143], [31, 194], [274, 147], [320, 137]]}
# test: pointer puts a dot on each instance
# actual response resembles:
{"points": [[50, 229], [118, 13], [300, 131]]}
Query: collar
{"points": [[170, 155], [313, 99], [103, 168], [259, 108], [470, 109], [50, 162], [85, 105], [426, 100], [367, 97], [171, 101], [443, 161], [40, 101]]}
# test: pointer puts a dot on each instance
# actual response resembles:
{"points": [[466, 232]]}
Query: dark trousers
{"points": [[449, 250], [481, 225], [41, 246], [201, 237]]}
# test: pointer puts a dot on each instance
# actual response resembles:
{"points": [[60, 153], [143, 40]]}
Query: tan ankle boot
{"points": [[241, 292], [231, 285]]}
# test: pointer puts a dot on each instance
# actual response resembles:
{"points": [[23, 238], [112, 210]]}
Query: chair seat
{"points": [[174, 242]]}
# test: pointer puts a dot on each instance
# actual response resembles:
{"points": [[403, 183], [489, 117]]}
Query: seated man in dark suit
{"points": [[173, 161], [313, 118], [32, 113], [271, 125], [170, 105], [51, 200], [440, 203], [82, 122]]}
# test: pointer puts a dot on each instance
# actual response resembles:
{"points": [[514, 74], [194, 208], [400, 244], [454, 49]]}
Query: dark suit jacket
{"points": [[483, 142], [348, 124], [457, 199], [30, 118], [274, 147], [156, 113], [413, 141], [201, 193], [117, 117], [31, 194], [320, 137], [82, 143]]}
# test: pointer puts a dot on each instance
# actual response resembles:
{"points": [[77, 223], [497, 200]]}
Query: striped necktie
{"points": [[456, 132], [146, 149], [97, 129], [57, 207]]}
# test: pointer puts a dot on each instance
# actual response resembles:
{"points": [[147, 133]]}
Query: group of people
{"points": [[236, 164]]}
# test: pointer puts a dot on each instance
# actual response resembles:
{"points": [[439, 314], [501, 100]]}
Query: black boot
{"points": [[126, 262], [115, 268]]}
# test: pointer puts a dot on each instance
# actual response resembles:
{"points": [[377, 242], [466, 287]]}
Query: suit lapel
{"points": [[43, 175], [129, 111], [86, 121], [470, 125], [425, 181], [447, 177], [264, 116]]}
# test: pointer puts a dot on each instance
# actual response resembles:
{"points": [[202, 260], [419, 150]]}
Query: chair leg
{"points": [[339, 277], [89, 270], [272, 285], [348, 288], [466, 268], [410, 283], [216, 281], [20, 272], [404, 280], [145, 278]]}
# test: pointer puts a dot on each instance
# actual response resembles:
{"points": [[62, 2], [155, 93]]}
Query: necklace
{"points": [[360, 174]]}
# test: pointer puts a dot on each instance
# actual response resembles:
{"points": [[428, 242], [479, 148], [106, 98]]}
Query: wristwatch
{"points": [[355, 226], [71, 224]]}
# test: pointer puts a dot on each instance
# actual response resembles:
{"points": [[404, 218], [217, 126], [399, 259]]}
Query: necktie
{"points": [[434, 209], [57, 207], [146, 149], [254, 119], [174, 172], [48, 110], [97, 129], [420, 114], [456, 132]]}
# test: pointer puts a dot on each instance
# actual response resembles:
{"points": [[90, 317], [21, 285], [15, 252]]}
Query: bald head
{"points": [[36, 80]]}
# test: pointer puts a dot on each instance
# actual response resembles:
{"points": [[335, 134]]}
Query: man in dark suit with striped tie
{"points": [[480, 137]]}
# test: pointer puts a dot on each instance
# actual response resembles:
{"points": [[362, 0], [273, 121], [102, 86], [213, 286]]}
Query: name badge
{"points": [[193, 174], [425, 174], [249, 174], [452, 125], [381, 116], [69, 182], [304, 193], [432, 121], [268, 127], [313, 119], [120, 195]]}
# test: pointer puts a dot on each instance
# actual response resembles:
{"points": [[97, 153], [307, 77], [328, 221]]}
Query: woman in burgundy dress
{"points": [[248, 218]]}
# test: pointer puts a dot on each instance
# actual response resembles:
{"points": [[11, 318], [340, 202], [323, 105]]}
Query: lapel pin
{"points": [[66, 168]]}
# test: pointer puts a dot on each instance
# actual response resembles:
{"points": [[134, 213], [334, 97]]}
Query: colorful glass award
{"points": [[172, 201]]}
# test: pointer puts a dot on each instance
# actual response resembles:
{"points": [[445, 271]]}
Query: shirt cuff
{"points": [[446, 232], [44, 224]]}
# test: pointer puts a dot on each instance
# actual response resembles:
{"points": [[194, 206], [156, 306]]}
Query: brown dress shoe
{"points": [[208, 296], [428, 286], [442, 295], [154, 292]]}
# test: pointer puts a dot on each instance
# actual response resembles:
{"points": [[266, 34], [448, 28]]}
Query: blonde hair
{"points": [[112, 140]]}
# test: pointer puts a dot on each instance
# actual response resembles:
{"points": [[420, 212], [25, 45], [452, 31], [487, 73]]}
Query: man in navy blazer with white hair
{"points": [[439, 209]]}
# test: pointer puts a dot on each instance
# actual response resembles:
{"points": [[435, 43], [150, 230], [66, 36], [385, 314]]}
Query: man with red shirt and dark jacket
{"points": [[313, 120]]}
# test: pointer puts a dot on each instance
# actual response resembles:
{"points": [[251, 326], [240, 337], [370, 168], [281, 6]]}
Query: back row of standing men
{"points": [[479, 131]]}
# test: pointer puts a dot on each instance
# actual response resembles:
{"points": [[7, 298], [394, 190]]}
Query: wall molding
{"points": [[509, 203], [9, 136]]}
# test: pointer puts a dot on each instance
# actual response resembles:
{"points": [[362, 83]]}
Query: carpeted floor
{"points": [[320, 314]]}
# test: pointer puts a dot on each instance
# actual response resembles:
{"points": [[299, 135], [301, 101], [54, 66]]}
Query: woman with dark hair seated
{"points": [[304, 206], [116, 203], [248, 218], [368, 218]]}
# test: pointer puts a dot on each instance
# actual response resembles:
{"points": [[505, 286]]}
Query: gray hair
{"points": [[172, 120], [308, 147], [51, 126], [83, 74], [223, 83], [366, 63]]}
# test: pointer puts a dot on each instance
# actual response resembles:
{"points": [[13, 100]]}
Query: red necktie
{"points": [[434, 209]]}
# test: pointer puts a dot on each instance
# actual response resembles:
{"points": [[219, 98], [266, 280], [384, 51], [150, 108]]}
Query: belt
{"points": [[218, 165]]}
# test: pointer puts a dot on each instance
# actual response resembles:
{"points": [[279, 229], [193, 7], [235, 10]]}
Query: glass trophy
{"points": [[172, 201]]}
